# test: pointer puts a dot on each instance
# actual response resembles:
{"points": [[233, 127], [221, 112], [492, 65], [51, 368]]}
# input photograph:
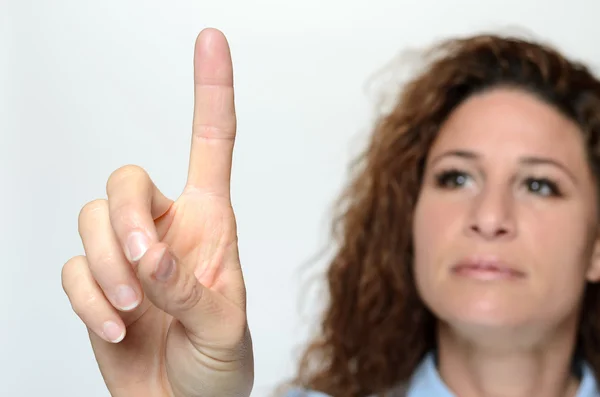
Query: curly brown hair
{"points": [[376, 329]]}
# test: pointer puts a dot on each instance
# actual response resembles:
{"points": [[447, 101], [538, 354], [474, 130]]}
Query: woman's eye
{"points": [[452, 179], [543, 187]]}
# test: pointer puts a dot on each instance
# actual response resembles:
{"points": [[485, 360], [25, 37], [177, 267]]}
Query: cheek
{"points": [[553, 245], [560, 246], [436, 226], [436, 222]]}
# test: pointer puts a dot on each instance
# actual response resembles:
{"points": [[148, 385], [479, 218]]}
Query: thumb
{"points": [[173, 288]]}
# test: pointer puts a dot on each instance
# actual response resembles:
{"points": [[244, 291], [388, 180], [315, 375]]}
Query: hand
{"points": [[187, 335]]}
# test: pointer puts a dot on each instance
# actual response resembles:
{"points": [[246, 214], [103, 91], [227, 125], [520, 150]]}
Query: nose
{"points": [[492, 215]]}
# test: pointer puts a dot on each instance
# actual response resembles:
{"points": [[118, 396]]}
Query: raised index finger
{"points": [[214, 123]]}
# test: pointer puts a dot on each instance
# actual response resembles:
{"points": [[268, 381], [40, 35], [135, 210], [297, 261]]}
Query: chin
{"points": [[484, 306], [486, 315], [489, 324]]}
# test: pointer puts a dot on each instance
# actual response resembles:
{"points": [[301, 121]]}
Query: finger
{"points": [[107, 262], [172, 288], [134, 203], [89, 303], [214, 125]]}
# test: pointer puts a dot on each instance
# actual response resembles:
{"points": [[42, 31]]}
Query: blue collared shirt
{"points": [[426, 382]]}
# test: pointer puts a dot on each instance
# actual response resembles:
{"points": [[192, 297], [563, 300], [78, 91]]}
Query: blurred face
{"points": [[505, 225]]}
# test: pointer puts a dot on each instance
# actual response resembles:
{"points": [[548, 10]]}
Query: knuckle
{"points": [[104, 260], [214, 132], [124, 216], [122, 173], [128, 190], [79, 306], [74, 282], [89, 211], [74, 286], [189, 293], [84, 305], [71, 273]]}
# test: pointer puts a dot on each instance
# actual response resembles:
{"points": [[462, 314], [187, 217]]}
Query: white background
{"points": [[86, 87]]}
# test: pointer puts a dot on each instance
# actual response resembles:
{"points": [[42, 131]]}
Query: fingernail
{"points": [[137, 245], [113, 332], [165, 266], [126, 298]]}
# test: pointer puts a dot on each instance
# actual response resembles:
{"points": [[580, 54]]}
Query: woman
{"points": [[469, 244]]}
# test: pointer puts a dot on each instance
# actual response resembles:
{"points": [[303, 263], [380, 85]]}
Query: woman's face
{"points": [[505, 226]]}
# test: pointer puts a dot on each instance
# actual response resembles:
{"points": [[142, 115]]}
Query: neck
{"points": [[499, 368]]}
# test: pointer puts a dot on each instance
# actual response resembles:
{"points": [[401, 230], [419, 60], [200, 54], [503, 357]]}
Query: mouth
{"points": [[486, 269]]}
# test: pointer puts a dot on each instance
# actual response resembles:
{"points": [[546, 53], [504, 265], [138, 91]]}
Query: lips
{"points": [[486, 268]]}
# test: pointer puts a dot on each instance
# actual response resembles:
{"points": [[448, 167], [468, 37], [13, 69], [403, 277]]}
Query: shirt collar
{"points": [[426, 381]]}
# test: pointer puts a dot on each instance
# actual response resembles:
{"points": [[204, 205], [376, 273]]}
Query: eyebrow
{"points": [[527, 160]]}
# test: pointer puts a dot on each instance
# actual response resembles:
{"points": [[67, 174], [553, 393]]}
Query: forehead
{"points": [[510, 122]]}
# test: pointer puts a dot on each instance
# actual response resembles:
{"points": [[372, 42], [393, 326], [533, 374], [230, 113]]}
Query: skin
{"points": [[183, 334], [507, 179]]}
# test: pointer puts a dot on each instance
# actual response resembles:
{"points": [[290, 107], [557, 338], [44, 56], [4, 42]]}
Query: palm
{"points": [[201, 230]]}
